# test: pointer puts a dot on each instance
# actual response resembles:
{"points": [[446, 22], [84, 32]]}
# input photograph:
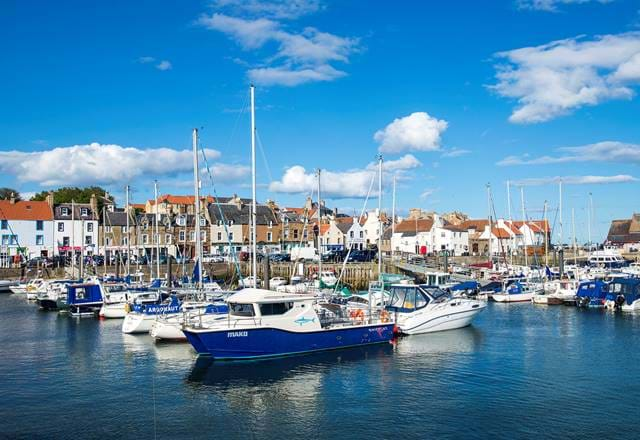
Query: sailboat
{"points": [[262, 323]]}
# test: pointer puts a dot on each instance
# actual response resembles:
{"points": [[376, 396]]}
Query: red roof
{"points": [[410, 225], [500, 233], [324, 228], [475, 224], [513, 228], [25, 210]]}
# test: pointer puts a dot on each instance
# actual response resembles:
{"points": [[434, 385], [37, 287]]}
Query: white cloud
{"points": [[280, 9], [99, 164], [285, 76], [552, 5], [455, 152], [229, 173], [301, 57], [146, 60], [428, 192], [577, 180], [606, 151], [164, 65], [417, 132], [353, 183], [557, 78]]}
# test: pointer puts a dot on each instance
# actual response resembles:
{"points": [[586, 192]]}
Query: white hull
{"points": [[513, 297], [115, 311], [633, 307], [441, 319], [170, 330], [137, 323], [18, 289]]}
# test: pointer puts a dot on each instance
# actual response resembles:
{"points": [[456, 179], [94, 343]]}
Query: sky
{"points": [[456, 96]]}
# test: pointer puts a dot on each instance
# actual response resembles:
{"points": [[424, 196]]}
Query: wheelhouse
{"points": [[409, 298]]}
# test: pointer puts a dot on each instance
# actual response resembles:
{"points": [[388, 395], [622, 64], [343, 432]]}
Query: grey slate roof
{"points": [[117, 218], [243, 215], [57, 212]]}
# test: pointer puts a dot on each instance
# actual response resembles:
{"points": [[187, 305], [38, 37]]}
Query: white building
{"points": [[76, 231], [342, 233], [26, 228], [371, 226]]}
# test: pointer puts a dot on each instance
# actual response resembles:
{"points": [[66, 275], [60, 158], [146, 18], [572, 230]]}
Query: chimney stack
{"points": [[49, 199], [12, 200]]}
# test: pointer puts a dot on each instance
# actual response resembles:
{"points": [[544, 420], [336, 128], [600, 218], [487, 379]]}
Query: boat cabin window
{"points": [[275, 308], [409, 298], [80, 293], [236, 309]]}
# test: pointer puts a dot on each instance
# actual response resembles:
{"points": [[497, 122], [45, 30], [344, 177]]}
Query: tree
{"points": [[5, 194], [78, 195]]}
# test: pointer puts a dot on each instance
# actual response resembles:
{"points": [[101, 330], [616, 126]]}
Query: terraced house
{"points": [[26, 229]]}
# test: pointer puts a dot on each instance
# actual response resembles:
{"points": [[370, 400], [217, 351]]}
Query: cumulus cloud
{"points": [[417, 132], [164, 65], [301, 56], [161, 65], [428, 192], [353, 183], [104, 164], [606, 151], [577, 180], [552, 5], [557, 78]]}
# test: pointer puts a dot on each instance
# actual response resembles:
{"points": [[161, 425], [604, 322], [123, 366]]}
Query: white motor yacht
{"points": [[424, 309]]}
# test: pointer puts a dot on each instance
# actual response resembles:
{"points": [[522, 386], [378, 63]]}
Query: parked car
{"points": [[212, 259], [334, 256], [279, 258]]}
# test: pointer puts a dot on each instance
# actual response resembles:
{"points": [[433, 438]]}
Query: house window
{"points": [[107, 229], [286, 233], [203, 236], [304, 233], [14, 239], [145, 226], [145, 239], [5, 239], [219, 236], [361, 234], [64, 211], [108, 241], [65, 241], [84, 212], [89, 227], [181, 235], [203, 221], [230, 236], [192, 236], [87, 239], [269, 236], [295, 234], [39, 225], [39, 240], [167, 239], [4, 224], [180, 221], [230, 222], [156, 237], [351, 234], [60, 227], [125, 241], [124, 230]]}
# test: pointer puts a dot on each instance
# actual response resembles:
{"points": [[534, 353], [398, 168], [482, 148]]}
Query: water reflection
{"points": [[464, 340]]}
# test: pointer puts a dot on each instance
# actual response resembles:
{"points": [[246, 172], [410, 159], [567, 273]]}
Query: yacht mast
{"points": [[573, 226], [560, 214], [319, 215], [156, 235], [196, 192], [546, 236], [254, 248], [490, 224], [126, 190], [380, 220], [589, 208], [510, 222], [393, 212], [73, 240], [524, 222]]}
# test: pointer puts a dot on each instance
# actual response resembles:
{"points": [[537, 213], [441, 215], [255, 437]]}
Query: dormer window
{"points": [[64, 211], [203, 221], [219, 222], [84, 212], [230, 222], [180, 220]]}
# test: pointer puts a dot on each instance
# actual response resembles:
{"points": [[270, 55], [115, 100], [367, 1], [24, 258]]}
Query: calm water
{"points": [[520, 372]]}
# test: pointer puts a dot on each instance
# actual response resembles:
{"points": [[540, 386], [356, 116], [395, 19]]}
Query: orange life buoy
{"points": [[384, 316]]}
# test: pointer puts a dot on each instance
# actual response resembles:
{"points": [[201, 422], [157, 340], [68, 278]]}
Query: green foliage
{"points": [[78, 195], [5, 193]]}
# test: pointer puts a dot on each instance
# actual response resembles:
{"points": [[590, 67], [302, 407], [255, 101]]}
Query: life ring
{"points": [[357, 314], [384, 316]]}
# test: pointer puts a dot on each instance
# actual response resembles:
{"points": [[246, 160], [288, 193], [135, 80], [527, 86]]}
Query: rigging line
{"points": [[264, 157], [346, 258], [222, 217], [235, 125]]}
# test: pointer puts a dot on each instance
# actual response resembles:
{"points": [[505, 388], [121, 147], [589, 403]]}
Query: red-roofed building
{"points": [[26, 228]]}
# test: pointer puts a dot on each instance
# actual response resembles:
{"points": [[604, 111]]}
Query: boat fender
{"points": [[619, 300], [127, 308], [358, 315]]}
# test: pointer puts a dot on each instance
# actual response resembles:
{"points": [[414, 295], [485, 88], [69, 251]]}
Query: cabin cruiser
{"points": [[140, 317], [624, 294], [117, 297], [440, 279], [557, 292], [424, 309], [168, 327], [276, 282], [56, 289], [263, 323], [82, 299], [607, 258], [520, 290], [32, 288], [592, 293]]}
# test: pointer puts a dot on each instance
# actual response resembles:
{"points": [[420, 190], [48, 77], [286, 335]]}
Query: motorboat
{"points": [[424, 309], [518, 291], [328, 279], [607, 258], [249, 281], [35, 287], [624, 294], [633, 269], [558, 292], [168, 327], [83, 299], [263, 324], [141, 316], [118, 297], [592, 293], [276, 282], [48, 300]]}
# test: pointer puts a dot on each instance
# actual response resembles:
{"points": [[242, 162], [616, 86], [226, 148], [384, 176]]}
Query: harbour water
{"points": [[521, 371]]}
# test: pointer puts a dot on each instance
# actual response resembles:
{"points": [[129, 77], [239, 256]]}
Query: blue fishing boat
{"points": [[83, 299], [624, 294], [264, 324], [592, 293]]}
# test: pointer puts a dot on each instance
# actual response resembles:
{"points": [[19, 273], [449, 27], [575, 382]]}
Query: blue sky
{"points": [[455, 94]]}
